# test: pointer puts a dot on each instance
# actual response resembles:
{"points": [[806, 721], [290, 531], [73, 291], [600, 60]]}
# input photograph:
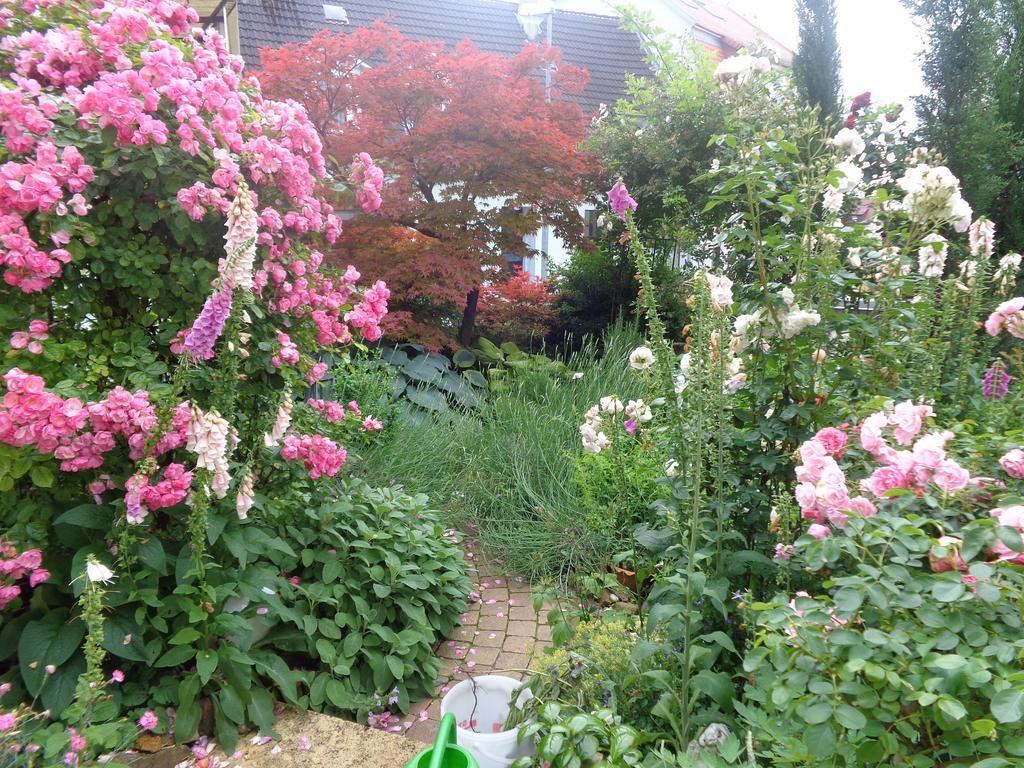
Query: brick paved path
{"points": [[500, 634]]}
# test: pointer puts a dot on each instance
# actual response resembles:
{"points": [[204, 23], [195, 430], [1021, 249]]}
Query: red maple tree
{"points": [[521, 309], [478, 150]]}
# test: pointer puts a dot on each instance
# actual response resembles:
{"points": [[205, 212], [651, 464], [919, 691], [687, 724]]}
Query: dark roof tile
{"points": [[594, 43]]}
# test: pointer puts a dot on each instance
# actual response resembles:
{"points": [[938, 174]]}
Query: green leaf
{"points": [[339, 696], [430, 399], [261, 711], [92, 516], [206, 663], [1010, 537], [396, 666], [151, 553], [184, 636], [851, 718], [59, 689], [46, 641], [234, 706], [186, 720], [176, 656], [41, 476], [464, 358], [820, 740], [1008, 705], [816, 713], [353, 642], [948, 591], [952, 708]]}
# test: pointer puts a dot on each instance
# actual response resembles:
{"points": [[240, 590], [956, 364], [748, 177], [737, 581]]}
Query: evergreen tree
{"points": [[816, 64], [973, 98]]}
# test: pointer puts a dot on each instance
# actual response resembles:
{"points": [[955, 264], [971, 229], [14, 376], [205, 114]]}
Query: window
{"points": [[590, 217], [514, 261], [334, 12]]}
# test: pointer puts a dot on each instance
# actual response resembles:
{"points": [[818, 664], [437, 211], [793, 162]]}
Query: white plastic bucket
{"points": [[480, 705]]}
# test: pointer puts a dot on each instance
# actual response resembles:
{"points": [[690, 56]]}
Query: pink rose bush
{"points": [[823, 492], [169, 223]]}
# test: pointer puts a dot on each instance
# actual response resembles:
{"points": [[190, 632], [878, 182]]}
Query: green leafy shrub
{"points": [[896, 663], [375, 581], [618, 487], [567, 738], [598, 287], [606, 664]]}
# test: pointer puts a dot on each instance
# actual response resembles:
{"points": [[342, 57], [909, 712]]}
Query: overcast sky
{"points": [[878, 40]]}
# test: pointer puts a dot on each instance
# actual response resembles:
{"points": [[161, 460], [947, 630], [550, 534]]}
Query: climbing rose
{"points": [[148, 721], [319, 455], [368, 181]]}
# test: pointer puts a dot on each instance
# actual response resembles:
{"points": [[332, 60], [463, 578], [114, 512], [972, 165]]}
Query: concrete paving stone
{"points": [[484, 657], [433, 707], [518, 644], [457, 651], [491, 623], [524, 628], [507, 662], [495, 593], [543, 632], [484, 639], [422, 730], [522, 613], [464, 634], [470, 618], [494, 609]]}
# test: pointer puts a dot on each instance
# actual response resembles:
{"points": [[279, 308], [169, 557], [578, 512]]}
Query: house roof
{"points": [[594, 43], [734, 30]]}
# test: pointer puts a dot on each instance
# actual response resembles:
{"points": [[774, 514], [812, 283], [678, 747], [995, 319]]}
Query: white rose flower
{"points": [[672, 468], [849, 141], [850, 176]]}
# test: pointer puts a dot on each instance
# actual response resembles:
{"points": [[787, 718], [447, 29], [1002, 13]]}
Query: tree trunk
{"points": [[469, 318]]}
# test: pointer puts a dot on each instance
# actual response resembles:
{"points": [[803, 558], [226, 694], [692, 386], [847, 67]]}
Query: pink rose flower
{"points": [[950, 476], [148, 721], [1013, 463], [885, 479], [862, 506], [907, 420], [833, 440], [818, 531]]}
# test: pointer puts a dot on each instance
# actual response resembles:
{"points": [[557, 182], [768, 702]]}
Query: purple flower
{"points": [[620, 201], [996, 383], [630, 426], [209, 325]]}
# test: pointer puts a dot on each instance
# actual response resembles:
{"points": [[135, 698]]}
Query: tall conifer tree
{"points": [[816, 65]]}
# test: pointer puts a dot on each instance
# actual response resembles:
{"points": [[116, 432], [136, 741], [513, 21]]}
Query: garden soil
{"points": [[333, 743]]}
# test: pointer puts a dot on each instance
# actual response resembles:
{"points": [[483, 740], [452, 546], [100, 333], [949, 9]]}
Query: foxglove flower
{"points": [[996, 382], [209, 326], [620, 201]]}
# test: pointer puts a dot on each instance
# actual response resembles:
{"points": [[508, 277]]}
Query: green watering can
{"points": [[445, 753]]}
